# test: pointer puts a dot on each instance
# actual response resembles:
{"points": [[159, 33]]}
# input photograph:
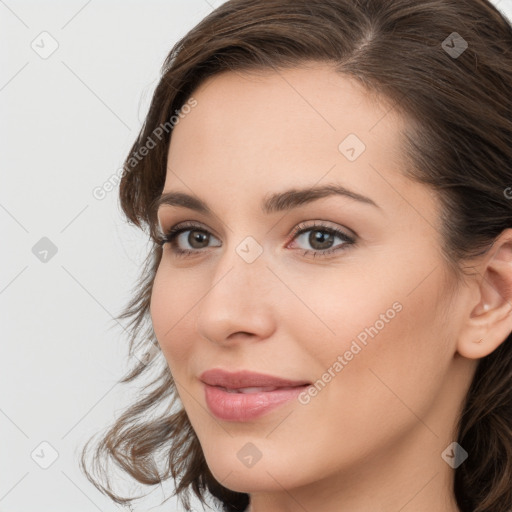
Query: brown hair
{"points": [[458, 141]]}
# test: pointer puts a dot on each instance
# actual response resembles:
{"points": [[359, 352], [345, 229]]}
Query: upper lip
{"points": [[246, 379]]}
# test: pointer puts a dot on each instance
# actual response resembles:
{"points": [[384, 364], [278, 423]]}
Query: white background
{"points": [[67, 122]]}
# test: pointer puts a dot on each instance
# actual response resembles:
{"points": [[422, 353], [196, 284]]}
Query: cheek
{"points": [[172, 300], [402, 362], [374, 336], [340, 310]]}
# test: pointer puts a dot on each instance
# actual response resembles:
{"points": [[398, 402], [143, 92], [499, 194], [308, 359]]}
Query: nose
{"points": [[239, 302]]}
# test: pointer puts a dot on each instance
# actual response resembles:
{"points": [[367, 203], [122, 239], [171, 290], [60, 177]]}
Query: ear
{"points": [[489, 321]]}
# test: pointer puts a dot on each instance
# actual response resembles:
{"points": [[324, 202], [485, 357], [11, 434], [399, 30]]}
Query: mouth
{"points": [[247, 381], [245, 396], [267, 389]]}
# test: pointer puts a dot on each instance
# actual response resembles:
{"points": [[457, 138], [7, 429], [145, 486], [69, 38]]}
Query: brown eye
{"points": [[320, 239], [188, 239], [197, 239]]}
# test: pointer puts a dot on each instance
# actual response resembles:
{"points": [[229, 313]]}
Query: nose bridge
{"points": [[241, 269], [238, 299]]}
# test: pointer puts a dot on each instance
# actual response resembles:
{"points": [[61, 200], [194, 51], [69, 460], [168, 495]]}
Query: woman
{"points": [[326, 305]]}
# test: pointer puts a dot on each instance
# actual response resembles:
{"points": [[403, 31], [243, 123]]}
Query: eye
{"points": [[189, 234], [188, 239], [322, 238]]}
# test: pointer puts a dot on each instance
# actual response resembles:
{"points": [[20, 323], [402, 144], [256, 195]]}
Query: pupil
{"points": [[321, 237], [197, 236]]}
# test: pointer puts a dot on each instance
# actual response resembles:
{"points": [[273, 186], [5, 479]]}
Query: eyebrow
{"points": [[276, 202]]}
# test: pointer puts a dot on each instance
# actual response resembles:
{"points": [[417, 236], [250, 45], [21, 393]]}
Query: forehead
{"points": [[309, 105], [259, 130]]}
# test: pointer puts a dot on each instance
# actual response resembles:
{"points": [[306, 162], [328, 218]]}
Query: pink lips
{"points": [[243, 395]]}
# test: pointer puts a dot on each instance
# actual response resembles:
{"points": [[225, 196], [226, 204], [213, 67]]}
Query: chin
{"points": [[250, 481], [262, 476]]}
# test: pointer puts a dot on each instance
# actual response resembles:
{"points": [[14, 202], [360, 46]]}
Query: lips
{"points": [[245, 396], [247, 382], [251, 390]]}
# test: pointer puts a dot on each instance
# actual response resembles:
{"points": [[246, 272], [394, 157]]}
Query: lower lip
{"points": [[247, 406]]}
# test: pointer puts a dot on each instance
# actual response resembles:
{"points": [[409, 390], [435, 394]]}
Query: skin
{"points": [[372, 438]]}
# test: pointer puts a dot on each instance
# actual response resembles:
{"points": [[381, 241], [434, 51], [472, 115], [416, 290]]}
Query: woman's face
{"points": [[367, 319]]}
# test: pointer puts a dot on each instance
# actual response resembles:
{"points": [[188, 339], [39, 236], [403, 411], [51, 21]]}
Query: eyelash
{"points": [[170, 236]]}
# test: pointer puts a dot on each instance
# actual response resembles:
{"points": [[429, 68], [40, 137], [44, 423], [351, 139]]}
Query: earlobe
{"points": [[489, 322]]}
